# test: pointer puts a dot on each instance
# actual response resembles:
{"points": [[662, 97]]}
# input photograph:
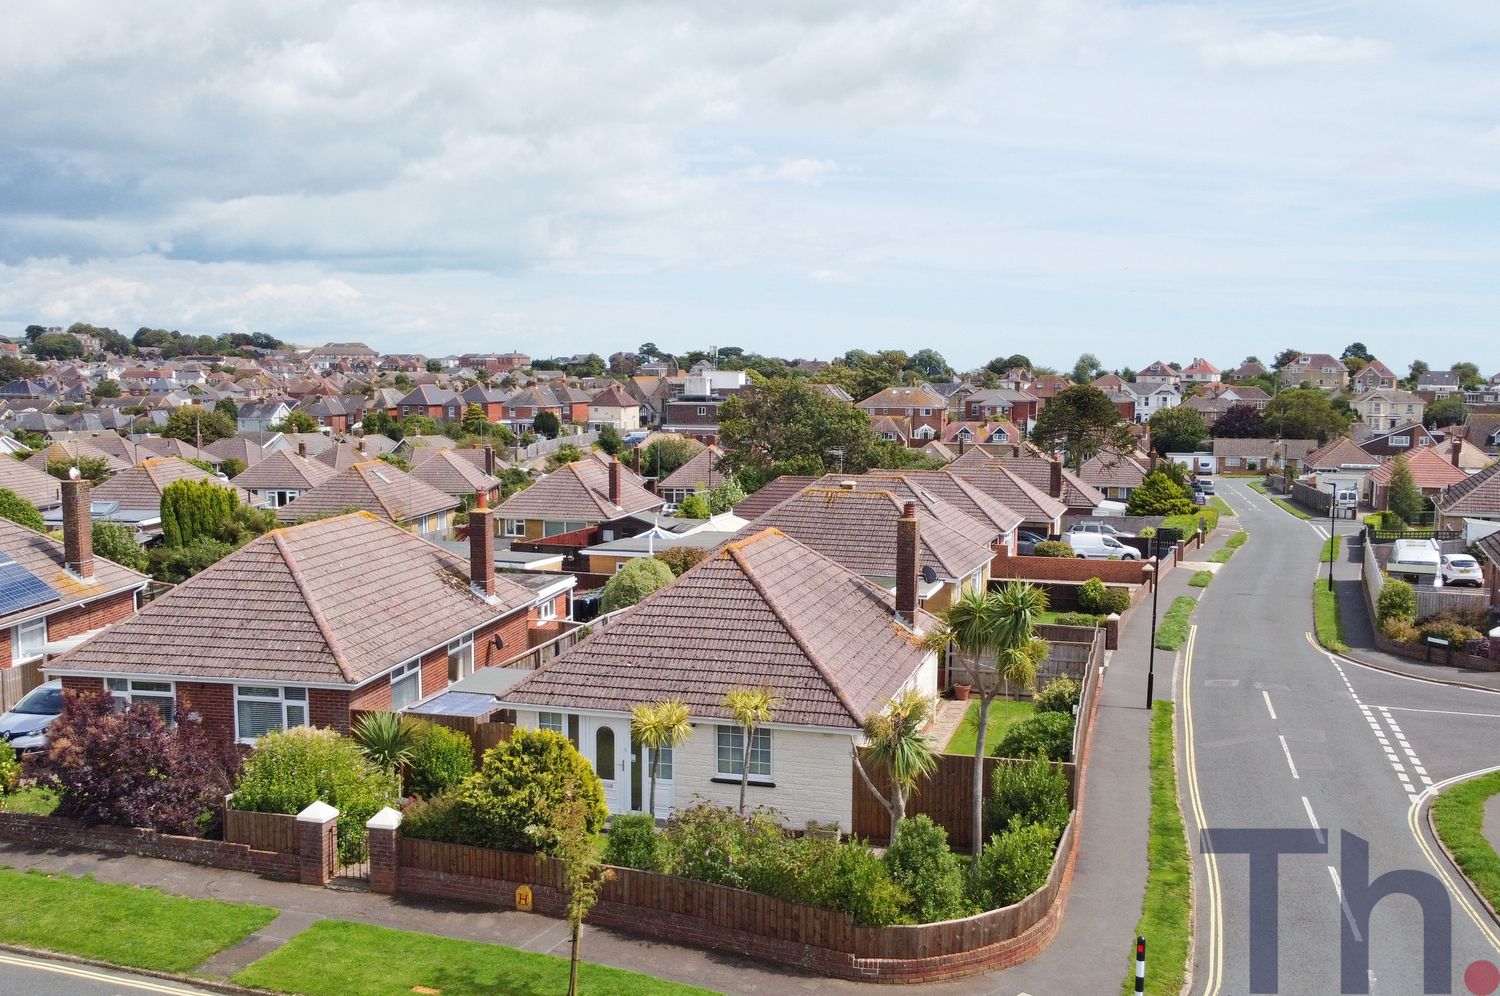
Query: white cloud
{"points": [[1273, 50]]}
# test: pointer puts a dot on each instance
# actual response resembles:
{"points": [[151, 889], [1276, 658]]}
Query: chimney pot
{"points": [[482, 546], [359, 447], [78, 528], [614, 481], [848, 485], [908, 534]]}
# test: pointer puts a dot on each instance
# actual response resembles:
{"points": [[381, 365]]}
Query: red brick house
{"points": [[524, 406], [435, 402], [51, 591], [309, 623], [1017, 407], [925, 411]]}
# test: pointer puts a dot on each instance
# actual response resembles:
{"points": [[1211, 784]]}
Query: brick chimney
{"points": [[614, 480], [1458, 445], [1054, 483], [78, 528], [908, 532], [489, 459], [482, 546], [302, 448], [359, 447]]}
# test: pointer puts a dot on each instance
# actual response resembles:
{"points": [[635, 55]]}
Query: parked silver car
{"points": [[24, 728]]}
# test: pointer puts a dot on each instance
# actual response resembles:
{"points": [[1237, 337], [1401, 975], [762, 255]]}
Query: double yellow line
{"points": [[1212, 907]]}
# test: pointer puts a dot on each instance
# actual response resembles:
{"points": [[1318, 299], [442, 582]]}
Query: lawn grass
{"points": [[1004, 713], [1050, 618], [1458, 818], [1259, 486], [1167, 907], [1326, 618], [1237, 540], [121, 924], [1330, 549], [334, 957], [1293, 509], [1220, 505], [1221, 555], [30, 800], [1201, 579], [1173, 628]]}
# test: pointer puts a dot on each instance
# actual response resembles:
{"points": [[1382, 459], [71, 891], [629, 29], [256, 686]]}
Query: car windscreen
{"points": [[1465, 562], [41, 702]]}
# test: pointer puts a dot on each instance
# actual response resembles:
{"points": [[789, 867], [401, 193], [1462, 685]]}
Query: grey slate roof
{"points": [[1479, 495], [765, 610], [453, 474], [42, 490], [701, 468], [336, 601]]}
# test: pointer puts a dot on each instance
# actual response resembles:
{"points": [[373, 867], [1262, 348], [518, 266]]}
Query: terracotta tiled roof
{"points": [[1479, 494], [765, 610], [1114, 471], [772, 494], [700, 469], [1010, 490], [1429, 469], [373, 486], [1341, 452], [973, 457], [42, 556], [454, 475], [614, 396], [577, 492], [73, 449], [950, 488], [905, 397], [141, 486], [1037, 471], [42, 490], [285, 469], [335, 601], [857, 528]]}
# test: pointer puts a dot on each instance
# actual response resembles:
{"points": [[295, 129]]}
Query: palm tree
{"points": [[992, 634], [893, 739], [749, 707], [659, 726], [386, 738]]}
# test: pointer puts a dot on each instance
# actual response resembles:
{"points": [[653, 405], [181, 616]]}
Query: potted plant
{"points": [[961, 691]]}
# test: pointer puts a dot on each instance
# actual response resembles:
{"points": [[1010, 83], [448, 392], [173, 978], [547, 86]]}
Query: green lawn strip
{"points": [[1220, 505], [1166, 910], [1004, 713], [121, 924], [30, 800], [1458, 818], [1221, 555], [1201, 579], [334, 957], [1189, 523], [1173, 628], [1050, 618], [1237, 540], [1331, 548], [1288, 506], [1326, 619], [1259, 486]]}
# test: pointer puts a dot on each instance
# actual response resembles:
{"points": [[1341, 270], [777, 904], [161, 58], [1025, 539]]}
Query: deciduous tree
{"points": [[633, 582], [1177, 430], [296, 420], [19, 510], [1081, 421], [1240, 420], [198, 425], [1303, 413]]}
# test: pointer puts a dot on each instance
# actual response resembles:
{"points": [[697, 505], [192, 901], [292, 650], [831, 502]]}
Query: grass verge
{"points": [[1259, 486], [1173, 628], [1220, 505], [1330, 549], [333, 957], [121, 924], [1237, 540], [30, 800], [1326, 618], [1167, 907], [1458, 818], [1293, 509], [1004, 713], [1201, 579]]}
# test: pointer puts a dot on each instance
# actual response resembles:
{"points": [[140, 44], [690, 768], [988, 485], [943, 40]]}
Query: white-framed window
{"points": [[461, 658], [551, 721], [1400, 440], [548, 609], [262, 709], [127, 692], [731, 753], [663, 758], [515, 527], [405, 410], [452, 412], [28, 640], [406, 685], [926, 411]]}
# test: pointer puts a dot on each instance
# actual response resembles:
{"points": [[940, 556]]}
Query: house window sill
{"points": [[753, 783]]}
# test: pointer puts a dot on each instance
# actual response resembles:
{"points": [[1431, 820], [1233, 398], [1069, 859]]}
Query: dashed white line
{"points": [[1288, 752], [1313, 820], [1269, 708], [1338, 887]]}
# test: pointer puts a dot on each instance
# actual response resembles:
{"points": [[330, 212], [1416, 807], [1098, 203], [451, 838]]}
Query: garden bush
{"points": [[1076, 619], [132, 769], [1052, 548], [715, 843], [1396, 601], [1031, 791], [1455, 632], [10, 770], [431, 819], [1049, 734], [921, 863], [632, 842], [1092, 597], [440, 758], [1014, 864], [1057, 695], [497, 806], [1400, 630], [1117, 600], [289, 770]]}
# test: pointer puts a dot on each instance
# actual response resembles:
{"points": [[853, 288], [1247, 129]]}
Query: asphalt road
{"points": [[1285, 737], [24, 976]]}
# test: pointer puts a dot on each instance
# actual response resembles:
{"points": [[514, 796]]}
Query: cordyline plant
{"points": [[132, 769], [894, 742]]}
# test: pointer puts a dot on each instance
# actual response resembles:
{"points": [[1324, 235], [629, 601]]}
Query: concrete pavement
{"points": [[1279, 735]]}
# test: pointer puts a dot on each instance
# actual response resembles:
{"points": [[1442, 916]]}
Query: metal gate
{"points": [[353, 875]]}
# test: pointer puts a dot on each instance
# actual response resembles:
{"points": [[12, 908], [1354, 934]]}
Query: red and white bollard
{"points": [[1140, 964]]}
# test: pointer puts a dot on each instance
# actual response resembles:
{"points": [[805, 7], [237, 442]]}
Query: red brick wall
{"points": [[1066, 569], [81, 618], [213, 704], [513, 632], [73, 684], [435, 672], [330, 707], [5, 655]]}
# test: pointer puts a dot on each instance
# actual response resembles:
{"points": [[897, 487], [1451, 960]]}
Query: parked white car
{"points": [[1096, 546], [1097, 528], [1461, 570]]}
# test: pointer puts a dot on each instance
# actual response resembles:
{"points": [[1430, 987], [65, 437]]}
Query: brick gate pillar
{"points": [[384, 861], [317, 843]]}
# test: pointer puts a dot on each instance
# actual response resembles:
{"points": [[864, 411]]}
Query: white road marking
{"points": [[1338, 887], [1288, 752], [1440, 712], [93, 975], [1313, 820], [1269, 708]]}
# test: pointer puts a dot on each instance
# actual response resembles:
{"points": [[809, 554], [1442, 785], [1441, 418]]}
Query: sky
{"points": [[1140, 180]]}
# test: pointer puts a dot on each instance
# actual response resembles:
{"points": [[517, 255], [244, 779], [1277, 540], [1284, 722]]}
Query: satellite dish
{"points": [[929, 575]]}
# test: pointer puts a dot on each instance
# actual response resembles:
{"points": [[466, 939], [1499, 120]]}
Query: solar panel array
{"points": [[20, 589]]}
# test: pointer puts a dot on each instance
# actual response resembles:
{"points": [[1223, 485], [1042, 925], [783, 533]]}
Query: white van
{"points": [[1096, 546], [1416, 558]]}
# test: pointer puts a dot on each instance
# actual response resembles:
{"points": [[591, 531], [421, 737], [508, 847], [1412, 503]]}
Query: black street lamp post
{"points": [[1153, 571]]}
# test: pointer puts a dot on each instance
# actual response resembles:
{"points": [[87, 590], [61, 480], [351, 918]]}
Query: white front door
{"points": [[606, 743]]}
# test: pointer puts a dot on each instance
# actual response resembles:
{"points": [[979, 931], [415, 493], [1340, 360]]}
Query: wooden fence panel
{"points": [[16, 681], [262, 831]]}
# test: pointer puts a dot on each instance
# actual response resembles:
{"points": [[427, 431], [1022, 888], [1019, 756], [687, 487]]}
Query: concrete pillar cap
{"points": [[318, 812], [386, 819]]}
